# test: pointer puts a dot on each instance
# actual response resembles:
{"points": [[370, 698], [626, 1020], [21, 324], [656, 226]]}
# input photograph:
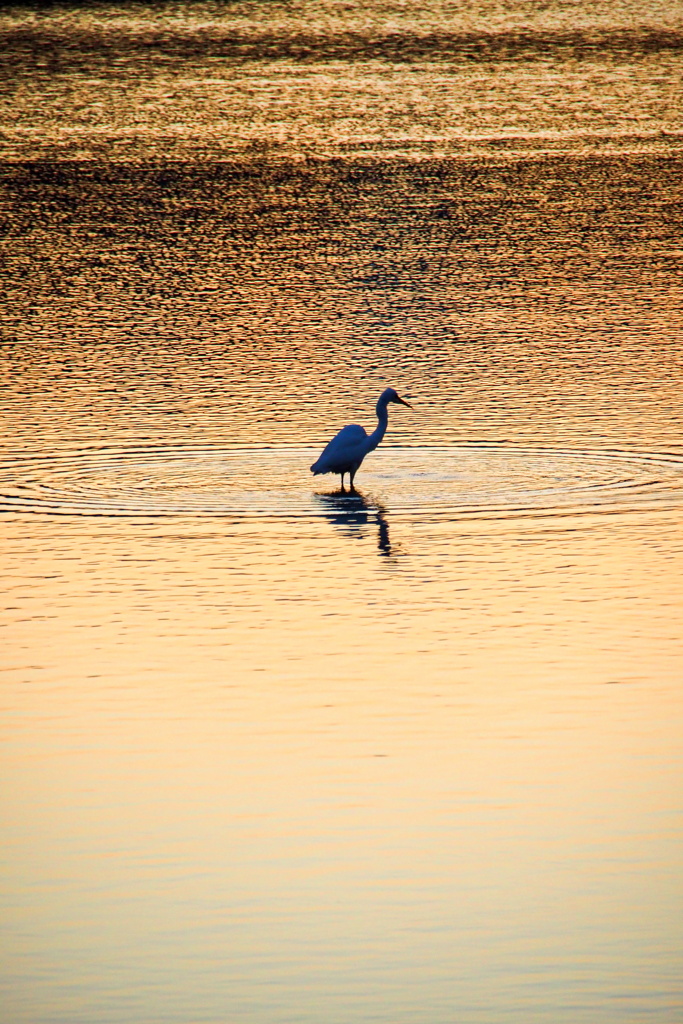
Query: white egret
{"points": [[346, 451]]}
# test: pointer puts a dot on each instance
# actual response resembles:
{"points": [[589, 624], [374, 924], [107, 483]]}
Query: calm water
{"points": [[272, 754]]}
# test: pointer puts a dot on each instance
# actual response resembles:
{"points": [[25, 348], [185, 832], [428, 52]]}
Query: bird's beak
{"points": [[407, 404]]}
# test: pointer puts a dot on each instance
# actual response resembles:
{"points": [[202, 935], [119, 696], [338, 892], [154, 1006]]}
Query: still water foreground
{"points": [[346, 765]]}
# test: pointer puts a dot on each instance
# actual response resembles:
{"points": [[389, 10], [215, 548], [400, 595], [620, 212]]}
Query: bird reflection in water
{"points": [[351, 512]]}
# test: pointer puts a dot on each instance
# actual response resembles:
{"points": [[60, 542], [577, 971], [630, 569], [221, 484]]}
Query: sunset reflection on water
{"points": [[276, 753]]}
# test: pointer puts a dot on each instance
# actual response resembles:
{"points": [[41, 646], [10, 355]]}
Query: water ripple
{"points": [[475, 479]]}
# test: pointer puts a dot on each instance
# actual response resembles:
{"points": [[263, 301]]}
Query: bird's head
{"points": [[392, 396]]}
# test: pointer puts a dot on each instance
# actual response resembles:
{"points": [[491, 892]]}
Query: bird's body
{"points": [[346, 451]]}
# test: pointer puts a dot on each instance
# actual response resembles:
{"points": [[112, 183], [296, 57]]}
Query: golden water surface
{"points": [[271, 753]]}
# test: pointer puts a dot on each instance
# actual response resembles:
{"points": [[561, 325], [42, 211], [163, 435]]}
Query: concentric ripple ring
{"points": [[211, 480]]}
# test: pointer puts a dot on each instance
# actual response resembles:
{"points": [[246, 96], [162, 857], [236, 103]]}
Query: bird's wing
{"points": [[341, 449], [347, 437]]}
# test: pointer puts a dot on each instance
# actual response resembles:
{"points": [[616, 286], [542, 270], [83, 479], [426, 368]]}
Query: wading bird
{"points": [[346, 451]]}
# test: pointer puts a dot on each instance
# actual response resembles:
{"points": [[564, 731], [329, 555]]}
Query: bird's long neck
{"points": [[382, 422]]}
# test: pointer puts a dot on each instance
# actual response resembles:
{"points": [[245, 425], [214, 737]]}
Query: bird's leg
{"points": [[342, 483], [352, 473]]}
